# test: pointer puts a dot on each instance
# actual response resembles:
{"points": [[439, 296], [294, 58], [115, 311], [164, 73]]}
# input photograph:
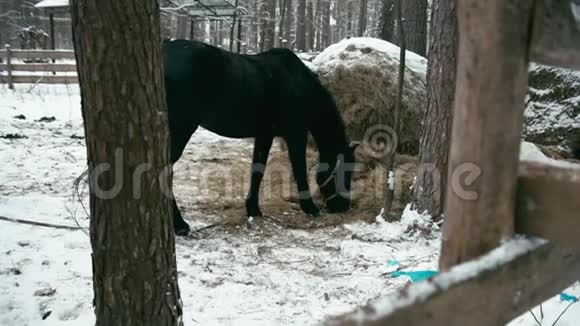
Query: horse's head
{"points": [[335, 181]]}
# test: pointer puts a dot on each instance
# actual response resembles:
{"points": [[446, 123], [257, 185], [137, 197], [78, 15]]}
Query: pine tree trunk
{"points": [[386, 26], [301, 26], [326, 37], [126, 129], [286, 23], [362, 18], [415, 15], [310, 29], [318, 25], [268, 30], [429, 193], [288, 40], [350, 19]]}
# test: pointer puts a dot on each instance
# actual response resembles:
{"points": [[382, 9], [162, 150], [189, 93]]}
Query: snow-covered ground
{"points": [[228, 276]]}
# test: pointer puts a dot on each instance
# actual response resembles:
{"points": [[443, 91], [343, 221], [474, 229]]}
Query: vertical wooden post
{"points": [[239, 35], [52, 33], [9, 66], [491, 86]]}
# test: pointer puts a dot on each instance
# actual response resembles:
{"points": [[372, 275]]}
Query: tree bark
{"points": [[362, 18], [386, 26], [415, 16], [126, 129], [429, 192], [492, 79], [326, 36], [268, 31], [288, 23], [301, 26], [350, 19], [310, 30]]}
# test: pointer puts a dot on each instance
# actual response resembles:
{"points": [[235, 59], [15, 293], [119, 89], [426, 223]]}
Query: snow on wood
{"points": [[52, 4], [491, 290]]}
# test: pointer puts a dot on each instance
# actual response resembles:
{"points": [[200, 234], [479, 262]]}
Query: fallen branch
{"points": [[48, 225]]}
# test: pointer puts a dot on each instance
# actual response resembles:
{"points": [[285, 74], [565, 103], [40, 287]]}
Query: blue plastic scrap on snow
{"points": [[415, 276], [567, 297]]}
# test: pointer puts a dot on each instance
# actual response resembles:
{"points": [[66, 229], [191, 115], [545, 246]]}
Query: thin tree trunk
{"points": [[326, 37], [288, 24], [390, 161], [310, 29], [318, 25], [268, 31], [350, 19], [362, 18], [126, 129], [415, 15], [429, 191], [386, 26], [301, 25]]}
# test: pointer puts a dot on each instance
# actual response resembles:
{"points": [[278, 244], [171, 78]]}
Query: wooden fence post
{"points": [[492, 78], [9, 65]]}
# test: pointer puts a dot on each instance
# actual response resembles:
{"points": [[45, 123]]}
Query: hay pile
{"points": [[552, 115], [362, 73]]}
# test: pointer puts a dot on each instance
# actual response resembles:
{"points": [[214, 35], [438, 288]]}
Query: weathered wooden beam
{"points": [[48, 79], [40, 54], [492, 79], [556, 33], [490, 291], [548, 203], [41, 67]]}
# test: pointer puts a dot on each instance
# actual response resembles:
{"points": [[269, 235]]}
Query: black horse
{"points": [[271, 94]]}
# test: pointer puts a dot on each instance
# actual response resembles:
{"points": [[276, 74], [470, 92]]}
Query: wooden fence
{"points": [[14, 62], [484, 281]]}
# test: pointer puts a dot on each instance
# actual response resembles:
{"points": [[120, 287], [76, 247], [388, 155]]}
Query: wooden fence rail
{"points": [[47, 64]]}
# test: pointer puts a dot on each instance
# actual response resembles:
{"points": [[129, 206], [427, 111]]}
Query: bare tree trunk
{"points": [[310, 29], [256, 35], [326, 37], [390, 160], [415, 15], [350, 18], [268, 31], [126, 129], [301, 25], [386, 26], [429, 191], [362, 18], [318, 25], [286, 23]]}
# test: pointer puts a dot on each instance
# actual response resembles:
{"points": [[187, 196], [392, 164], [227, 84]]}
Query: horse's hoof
{"points": [[182, 230]]}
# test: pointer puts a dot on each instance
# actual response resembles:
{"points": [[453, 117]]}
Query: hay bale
{"points": [[362, 73]]}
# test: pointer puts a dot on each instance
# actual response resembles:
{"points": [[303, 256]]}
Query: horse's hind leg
{"points": [[262, 145], [178, 141], [297, 151]]}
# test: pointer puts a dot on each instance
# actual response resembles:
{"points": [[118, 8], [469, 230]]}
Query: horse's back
{"points": [[238, 95]]}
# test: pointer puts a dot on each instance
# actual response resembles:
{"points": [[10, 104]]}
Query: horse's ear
{"points": [[353, 146]]}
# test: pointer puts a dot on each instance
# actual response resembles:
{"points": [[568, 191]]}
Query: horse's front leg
{"points": [[297, 152], [262, 145]]}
